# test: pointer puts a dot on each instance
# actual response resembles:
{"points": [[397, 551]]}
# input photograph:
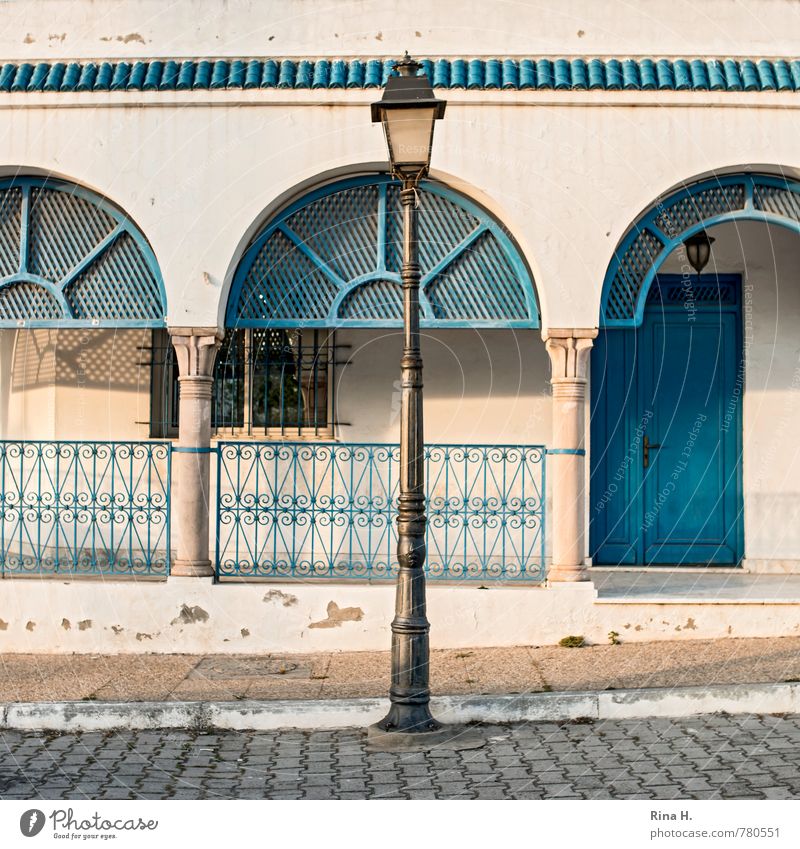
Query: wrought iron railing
{"points": [[84, 508], [325, 510]]}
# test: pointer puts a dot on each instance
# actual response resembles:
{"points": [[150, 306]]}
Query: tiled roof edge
{"points": [[575, 74]]}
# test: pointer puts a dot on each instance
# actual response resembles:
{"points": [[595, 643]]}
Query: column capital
{"points": [[195, 349], [569, 352]]}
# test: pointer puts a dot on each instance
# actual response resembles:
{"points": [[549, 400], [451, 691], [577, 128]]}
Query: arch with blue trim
{"points": [[69, 258], [675, 217], [333, 257]]}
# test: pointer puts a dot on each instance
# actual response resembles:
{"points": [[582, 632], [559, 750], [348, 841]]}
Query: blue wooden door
{"points": [[666, 430]]}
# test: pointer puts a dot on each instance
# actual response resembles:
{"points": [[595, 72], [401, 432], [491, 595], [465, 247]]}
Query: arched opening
{"points": [[691, 374], [311, 358], [81, 295]]}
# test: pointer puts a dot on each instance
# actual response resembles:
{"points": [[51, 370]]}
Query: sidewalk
{"points": [[159, 678]]}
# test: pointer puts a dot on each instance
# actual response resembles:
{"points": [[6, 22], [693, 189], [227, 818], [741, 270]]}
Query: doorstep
{"points": [[693, 586]]}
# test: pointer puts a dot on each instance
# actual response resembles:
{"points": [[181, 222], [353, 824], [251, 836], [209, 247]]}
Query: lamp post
{"points": [[408, 112]]}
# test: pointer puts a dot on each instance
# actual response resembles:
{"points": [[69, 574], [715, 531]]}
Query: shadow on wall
{"points": [[481, 386], [77, 384], [92, 359]]}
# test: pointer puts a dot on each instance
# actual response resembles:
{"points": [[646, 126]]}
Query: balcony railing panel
{"points": [[324, 510], [84, 508]]}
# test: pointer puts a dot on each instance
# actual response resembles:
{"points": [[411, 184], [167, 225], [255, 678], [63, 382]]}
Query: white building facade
{"points": [[200, 319]]}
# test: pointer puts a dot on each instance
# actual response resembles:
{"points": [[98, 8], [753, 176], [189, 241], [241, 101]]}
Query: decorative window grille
{"points": [[68, 258], [267, 383], [332, 259], [672, 219]]}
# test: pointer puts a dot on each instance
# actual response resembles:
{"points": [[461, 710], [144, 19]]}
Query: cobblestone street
{"points": [[711, 757]]}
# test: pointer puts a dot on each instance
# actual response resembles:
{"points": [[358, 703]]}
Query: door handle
{"points": [[646, 451]]}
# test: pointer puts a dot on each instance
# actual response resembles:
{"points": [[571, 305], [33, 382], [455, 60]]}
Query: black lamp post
{"points": [[408, 112], [698, 250]]}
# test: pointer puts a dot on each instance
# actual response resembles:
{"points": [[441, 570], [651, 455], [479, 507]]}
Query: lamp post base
{"points": [[452, 737]]}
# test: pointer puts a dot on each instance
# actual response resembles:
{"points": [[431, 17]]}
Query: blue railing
{"points": [[325, 510], [84, 508]]}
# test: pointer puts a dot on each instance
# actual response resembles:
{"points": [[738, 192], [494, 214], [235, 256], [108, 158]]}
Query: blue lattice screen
{"points": [[67, 257], [333, 259]]}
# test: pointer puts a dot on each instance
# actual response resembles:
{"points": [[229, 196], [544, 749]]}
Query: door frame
{"points": [[632, 425]]}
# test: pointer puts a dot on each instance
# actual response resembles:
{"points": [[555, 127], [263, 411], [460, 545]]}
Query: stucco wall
{"points": [[137, 28]]}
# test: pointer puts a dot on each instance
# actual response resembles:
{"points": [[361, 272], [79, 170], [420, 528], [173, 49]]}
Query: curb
{"points": [[359, 713]]}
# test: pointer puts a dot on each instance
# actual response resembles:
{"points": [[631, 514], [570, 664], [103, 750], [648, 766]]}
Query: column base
{"points": [[453, 737], [191, 569], [567, 574]]}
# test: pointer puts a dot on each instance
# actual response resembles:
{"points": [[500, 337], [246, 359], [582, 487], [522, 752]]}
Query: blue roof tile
{"points": [[252, 78], [137, 76], [614, 75], [22, 77], [153, 76], [119, 77], [699, 75], [104, 78], [71, 77], [7, 73], [236, 74], [647, 74], [733, 80], [269, 77], [683, 74], [580, 79], [766, 75], [475, 74], [373, 74], [338, 78], [510, 74], [54, 77], [527, 74], [544, 73], [493, 75], [540, 73], [749, 76], [355, 74], [185, 76], [441, 74], [458, 73], [211, 76], [630, 74]]}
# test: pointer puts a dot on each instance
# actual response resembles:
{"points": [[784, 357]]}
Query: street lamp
{"points": [[408, 112]]}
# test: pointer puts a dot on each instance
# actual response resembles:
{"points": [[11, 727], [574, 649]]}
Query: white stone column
{"points": [[195, 349], [569, 355]]}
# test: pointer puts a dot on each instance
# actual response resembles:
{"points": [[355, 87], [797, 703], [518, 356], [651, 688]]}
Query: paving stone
{"points": [[728, 758]]}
